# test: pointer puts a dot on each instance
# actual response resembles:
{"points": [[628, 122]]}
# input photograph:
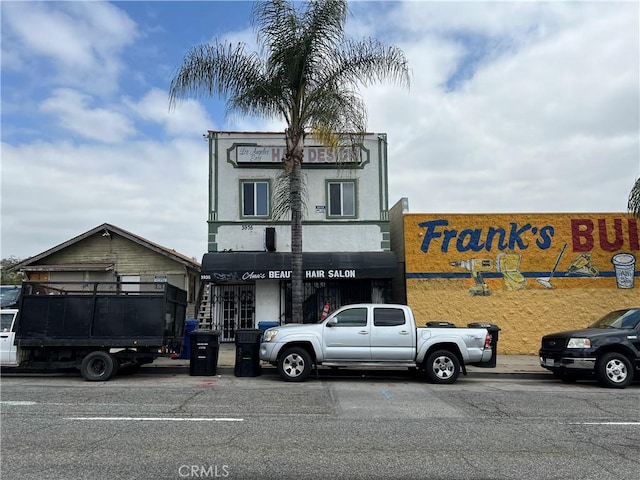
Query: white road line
{"points": [[16, 402], [605, 423], [155, 419]]}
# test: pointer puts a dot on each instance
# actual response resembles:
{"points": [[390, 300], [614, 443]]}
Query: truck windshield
{"points": [[629, 318]]}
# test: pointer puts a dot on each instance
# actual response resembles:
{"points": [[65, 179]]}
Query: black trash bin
{"points": [[493, 331], [248, 352], [203, 352]]}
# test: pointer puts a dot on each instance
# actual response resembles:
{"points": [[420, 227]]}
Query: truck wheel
{"points": [[443, 367], [614, 370], [294, 365], [98, 366]]}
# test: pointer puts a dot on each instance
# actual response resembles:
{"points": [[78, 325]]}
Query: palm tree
{"points": [[634, 200], [309, 75]]}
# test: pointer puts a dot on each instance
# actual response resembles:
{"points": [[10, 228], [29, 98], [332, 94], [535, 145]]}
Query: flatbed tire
{"points": [[98, 366]]}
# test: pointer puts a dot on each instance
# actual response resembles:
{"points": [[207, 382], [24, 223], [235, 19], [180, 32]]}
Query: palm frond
{"points": [[634, 200], [281, 209], [215, 70]]}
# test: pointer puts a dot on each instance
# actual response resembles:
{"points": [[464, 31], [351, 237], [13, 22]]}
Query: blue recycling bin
{"points": [[191, 324], [262, 326]]}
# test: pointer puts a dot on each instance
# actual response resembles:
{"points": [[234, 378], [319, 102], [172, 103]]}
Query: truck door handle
{"points": [[4, 336], [403, 332], [363, 332]]}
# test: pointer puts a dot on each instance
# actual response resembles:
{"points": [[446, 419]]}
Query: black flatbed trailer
{"points": [[98, 327]]}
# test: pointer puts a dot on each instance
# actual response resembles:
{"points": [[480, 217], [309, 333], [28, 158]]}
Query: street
{"points": [[171, 426]]}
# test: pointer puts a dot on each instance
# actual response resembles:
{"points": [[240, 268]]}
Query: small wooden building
{"points": [[110, 254]]}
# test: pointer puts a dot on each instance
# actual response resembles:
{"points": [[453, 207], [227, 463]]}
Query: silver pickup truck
{"points": [[374, 335]]}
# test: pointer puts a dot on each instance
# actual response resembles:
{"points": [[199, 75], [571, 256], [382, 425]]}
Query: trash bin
{"points": [[262, 326], [204, 347], [441, 325], [190, 325], [493, 331], [248, 353]]}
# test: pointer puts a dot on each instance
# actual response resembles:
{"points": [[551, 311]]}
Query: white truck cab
{"points": [[8, 348]]}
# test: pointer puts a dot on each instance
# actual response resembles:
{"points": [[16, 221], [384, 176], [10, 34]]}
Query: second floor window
{"points": [[342, 199], [255, 199]]}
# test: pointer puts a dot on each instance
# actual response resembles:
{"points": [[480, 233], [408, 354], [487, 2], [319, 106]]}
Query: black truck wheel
{"points": [[98, 366], [614, 370], [294, 365], [442, 366]]}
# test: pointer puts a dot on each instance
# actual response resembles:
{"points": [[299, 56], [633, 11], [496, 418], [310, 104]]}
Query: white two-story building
{"points": [[247, 271]]}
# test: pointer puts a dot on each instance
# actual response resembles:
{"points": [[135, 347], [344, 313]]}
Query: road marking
{"points": [[385, 394], [155, 419], [16, 402], [606, 423]]}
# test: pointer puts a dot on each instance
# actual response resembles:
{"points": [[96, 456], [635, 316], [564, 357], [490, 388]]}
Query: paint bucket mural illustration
{"points": [[624, 266]]}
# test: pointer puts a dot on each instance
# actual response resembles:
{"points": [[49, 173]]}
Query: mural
{"points": [[524, 251]]}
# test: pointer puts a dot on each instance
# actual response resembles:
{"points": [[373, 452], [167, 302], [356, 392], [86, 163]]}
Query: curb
{"points": [[272, 371]]}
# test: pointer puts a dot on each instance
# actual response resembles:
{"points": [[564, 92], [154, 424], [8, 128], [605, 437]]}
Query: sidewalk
{"points": [[515, 365]]}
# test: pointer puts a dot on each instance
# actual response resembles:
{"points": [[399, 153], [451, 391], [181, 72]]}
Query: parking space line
{"points": [[155, 419]]}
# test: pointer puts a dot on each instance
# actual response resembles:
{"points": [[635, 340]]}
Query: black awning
{"points": [[245, 266]]}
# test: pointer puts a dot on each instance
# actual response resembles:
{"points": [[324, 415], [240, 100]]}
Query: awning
{"points": [[247, 266]]}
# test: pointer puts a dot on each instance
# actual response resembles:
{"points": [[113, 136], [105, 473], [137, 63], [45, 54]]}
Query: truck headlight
{"points": [[269, 335], [579, 343]]}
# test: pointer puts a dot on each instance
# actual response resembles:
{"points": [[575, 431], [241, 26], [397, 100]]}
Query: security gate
{"points": [[232, 307]]}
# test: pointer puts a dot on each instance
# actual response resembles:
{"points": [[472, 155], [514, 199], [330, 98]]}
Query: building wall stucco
{"points": [[530, 274]]}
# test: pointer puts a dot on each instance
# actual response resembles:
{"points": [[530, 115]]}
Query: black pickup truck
{"points": [[609, 349]]}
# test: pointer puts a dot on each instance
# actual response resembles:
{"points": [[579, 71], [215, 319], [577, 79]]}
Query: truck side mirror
{"points": [[332, 323]]}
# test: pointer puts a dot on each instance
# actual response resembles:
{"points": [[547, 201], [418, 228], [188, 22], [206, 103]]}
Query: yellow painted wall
{"points": [[521, 288]]}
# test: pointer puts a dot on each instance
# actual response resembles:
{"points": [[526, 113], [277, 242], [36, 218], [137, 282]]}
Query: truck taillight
{"points": [[487, 341]]}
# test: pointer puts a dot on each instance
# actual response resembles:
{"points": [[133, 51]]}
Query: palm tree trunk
{"points": [[293, 163], [296, 243]]}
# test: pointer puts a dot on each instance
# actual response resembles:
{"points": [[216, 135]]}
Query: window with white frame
{"points": [[342, 198], [255, 198]]}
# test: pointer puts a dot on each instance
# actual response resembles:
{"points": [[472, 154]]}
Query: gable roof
{"points": [[107, 228]]}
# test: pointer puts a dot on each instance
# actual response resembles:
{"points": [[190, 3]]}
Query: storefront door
{"points": [[233, 307]]}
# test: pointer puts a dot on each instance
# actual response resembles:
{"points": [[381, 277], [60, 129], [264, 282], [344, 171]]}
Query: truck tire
{"points": [[98, 366], [614, 370], [294, 365], [442, 367]]}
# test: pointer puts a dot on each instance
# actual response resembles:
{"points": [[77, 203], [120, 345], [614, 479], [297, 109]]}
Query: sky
{"points": [[514, 107]]}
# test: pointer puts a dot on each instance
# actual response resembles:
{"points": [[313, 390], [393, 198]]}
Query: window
{"points": [[353, 317], [342, 199], [255, 199], [388, 317]]}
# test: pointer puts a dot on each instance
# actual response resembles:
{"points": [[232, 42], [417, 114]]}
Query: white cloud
{"points": [[81, 40], [549, 125], [72, 112], [154, 189], [188, 118]]}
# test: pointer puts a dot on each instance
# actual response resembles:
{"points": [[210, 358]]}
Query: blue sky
{"points": [[514, 107]]}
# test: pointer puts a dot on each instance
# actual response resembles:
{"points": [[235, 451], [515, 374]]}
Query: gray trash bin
{"points": [[493, 331], [203, 355]]}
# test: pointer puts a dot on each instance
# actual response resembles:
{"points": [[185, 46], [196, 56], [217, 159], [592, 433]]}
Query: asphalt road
{"points": [[171, 426]]}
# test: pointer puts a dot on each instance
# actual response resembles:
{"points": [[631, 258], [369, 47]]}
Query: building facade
{"points": [[247, 270], [530, 274], [108, 253]]}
